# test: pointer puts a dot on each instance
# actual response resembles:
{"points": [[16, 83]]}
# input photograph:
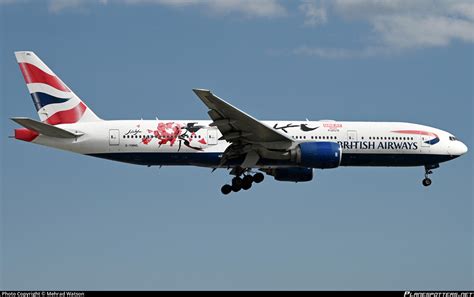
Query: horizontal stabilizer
{"points": [[45, 129]]}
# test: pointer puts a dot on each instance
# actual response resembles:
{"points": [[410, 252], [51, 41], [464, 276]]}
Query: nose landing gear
{"points": [[427, 181], [244, 183]]}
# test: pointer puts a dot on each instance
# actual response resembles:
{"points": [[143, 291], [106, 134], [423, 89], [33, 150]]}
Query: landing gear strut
{"points": [[427, 181], [242, 183]]}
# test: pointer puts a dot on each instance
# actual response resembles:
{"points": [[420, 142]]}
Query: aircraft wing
{"points": [[247, 135], [236, 125]]}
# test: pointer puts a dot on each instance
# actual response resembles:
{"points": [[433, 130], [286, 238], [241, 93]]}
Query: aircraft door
{"points": [[211, 136], [114, 137], [425, 146], [352, 135]]}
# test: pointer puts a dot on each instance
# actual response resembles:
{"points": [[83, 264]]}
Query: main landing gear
{"points": [[242, 183], [427, 181]]}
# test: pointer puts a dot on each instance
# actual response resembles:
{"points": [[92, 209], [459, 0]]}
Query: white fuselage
{"points": [[188, 142]]}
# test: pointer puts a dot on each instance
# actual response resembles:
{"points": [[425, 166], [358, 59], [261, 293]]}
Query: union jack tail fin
{"points": [[55, 102]]}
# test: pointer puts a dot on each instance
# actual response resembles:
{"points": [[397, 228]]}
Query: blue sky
{"points": [[74, 222]]}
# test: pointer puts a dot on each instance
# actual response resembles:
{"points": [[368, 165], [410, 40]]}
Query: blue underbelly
{"points": [[213, 159]]}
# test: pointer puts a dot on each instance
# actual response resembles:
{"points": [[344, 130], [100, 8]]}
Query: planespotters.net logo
{"points": [[42, 294], [438, 294]]}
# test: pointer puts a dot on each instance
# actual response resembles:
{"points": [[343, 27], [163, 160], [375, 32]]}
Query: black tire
{"points": [[426, 182], [226, 189], [237, 182], [236, 188], [247, 182], [258, 177]]}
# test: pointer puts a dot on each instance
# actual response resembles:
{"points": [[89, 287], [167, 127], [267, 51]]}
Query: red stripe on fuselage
{"points": [[69, 116], [33, 74], [416, 132]]}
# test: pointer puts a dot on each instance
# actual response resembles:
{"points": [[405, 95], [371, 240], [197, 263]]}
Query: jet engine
{"points": [[292, 174], [320, 155]]}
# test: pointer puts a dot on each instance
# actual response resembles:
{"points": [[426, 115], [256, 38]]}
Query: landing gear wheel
{"points": [[237, 182], [226, 189], [426, 182], [247, 182], [236, 188], [258, 177]]}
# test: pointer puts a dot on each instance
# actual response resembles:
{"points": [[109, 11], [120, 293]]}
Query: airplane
{"points": [[231, 139]]}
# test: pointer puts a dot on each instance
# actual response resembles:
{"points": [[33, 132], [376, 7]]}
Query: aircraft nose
{"points": [[457, 149], [462, 148]]}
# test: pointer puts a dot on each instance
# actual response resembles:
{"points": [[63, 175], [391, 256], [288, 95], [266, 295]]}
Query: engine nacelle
{"points": [[318, 154], [293, 174]]}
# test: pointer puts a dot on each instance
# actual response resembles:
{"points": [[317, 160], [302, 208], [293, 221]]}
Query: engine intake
{"points": [[320, 155]]}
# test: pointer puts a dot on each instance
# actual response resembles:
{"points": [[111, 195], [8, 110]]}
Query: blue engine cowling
{"points": [[293, 174], [319, 154]]}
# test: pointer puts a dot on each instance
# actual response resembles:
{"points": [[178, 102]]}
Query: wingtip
{"points": [[201, 91]]}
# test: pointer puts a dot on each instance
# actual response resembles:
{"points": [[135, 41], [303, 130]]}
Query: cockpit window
{"points": [[452, 138]]}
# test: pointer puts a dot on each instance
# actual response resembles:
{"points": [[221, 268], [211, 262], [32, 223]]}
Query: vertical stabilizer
{"points": [[55, 102]]}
